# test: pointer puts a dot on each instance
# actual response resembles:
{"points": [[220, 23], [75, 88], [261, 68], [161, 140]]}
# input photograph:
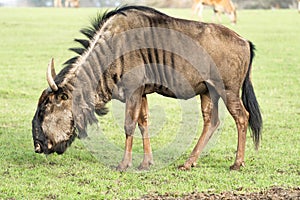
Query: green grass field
{"points": [[31, 36]]}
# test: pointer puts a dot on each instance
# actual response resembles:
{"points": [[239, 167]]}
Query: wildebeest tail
{"points": [[251, 104]]}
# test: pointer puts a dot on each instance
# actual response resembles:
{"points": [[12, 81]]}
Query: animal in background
{"points": [[219, 7], [68, 3]]}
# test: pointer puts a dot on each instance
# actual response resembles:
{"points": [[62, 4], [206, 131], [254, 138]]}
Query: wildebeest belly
{"points": [[180, 92], [180, 88]]}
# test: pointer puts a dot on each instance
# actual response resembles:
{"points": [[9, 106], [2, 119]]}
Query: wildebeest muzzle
{"points": [[43, 144]]}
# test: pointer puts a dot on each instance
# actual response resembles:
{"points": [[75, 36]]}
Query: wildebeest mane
{"points": [[86, 108], [89, 32], [96, 24]]}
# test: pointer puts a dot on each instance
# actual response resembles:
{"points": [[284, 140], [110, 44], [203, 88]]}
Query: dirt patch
{"points": [[274, 193]]}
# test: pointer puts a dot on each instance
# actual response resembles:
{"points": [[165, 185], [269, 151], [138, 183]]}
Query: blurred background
{"points": [[240, 4]]}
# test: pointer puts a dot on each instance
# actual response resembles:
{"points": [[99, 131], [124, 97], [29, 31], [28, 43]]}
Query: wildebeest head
{"points": [[53, 128]]}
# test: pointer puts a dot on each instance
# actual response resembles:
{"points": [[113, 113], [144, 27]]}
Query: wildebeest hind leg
{"points": [[209, 106], [241, 116], [143, 126]]}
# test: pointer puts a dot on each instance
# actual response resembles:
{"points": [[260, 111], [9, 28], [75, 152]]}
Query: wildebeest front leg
{"points": [[209, 108], [143, 126], [132, 112], [127, 158]]}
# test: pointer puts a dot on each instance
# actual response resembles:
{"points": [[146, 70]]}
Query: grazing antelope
{"points": [[71, 3], [134, 51], [219, 6]]}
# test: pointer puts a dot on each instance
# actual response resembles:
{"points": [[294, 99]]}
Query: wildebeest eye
{"points": [[63, 96]]}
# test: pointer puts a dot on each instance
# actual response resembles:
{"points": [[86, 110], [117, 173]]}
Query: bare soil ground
{"points": [[274, 193]]}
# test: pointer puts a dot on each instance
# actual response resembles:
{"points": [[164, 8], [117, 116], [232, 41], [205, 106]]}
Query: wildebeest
{"points": [[219, 6], [134, 51]]}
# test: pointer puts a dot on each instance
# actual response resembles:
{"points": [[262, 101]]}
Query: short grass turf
{"points": [[31, 36]]}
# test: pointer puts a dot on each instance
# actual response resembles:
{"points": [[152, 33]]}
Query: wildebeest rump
{"points": [[134, 51]]}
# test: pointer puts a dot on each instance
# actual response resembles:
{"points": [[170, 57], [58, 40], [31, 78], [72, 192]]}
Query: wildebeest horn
{"points": [[51, 75]]}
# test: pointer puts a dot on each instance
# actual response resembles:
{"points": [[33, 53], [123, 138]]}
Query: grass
{"points": [[31, 36]]}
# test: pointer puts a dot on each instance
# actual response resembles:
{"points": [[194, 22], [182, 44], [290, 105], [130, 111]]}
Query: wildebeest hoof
{"points": [[237, 166], [184, 167], [145, 166], [187, 166], [122, 167]]}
